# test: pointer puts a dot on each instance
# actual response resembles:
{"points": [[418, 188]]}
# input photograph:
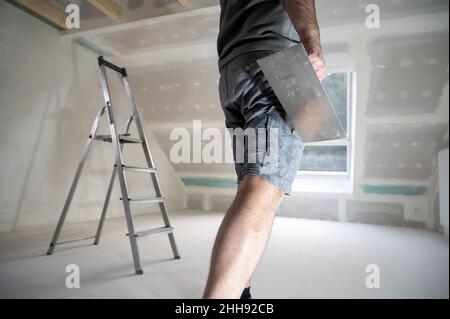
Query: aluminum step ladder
{"points": [[118, 141]]}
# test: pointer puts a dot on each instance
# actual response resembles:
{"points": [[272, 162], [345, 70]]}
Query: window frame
{"points": [[347, 141], [328, 181]]}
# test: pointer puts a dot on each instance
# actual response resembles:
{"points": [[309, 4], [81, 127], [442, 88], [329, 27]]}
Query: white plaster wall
{"points": [[49, 94]]}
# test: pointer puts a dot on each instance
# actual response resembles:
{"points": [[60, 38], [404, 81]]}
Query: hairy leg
{"points": [[249, 281], [242, 238]]}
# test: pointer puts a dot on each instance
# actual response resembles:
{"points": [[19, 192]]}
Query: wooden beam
{"points": [[184, 3], [109, 7], [44, 9]]}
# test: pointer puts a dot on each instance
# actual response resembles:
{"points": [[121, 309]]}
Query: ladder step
{"points": [[75, 240], [124, 139], [153, 232], [145, 200], [139, 169]]}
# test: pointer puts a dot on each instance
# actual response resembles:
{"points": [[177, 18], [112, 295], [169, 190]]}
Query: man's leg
{"points": [[242, 237]]}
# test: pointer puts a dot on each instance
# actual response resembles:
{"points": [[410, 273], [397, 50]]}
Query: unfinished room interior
{"points": [[367, 216]]}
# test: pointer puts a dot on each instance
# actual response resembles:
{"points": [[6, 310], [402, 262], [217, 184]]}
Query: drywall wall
{"points": [[378, 213], [49, 94]]}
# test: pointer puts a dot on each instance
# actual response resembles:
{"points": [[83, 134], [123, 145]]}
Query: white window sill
{"points": [[327, 183]]}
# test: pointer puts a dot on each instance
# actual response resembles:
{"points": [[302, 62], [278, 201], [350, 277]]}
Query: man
{"points": [[249, 30]]}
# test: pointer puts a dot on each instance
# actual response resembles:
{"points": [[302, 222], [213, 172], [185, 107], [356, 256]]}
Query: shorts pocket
{"points": [[283, 146]]}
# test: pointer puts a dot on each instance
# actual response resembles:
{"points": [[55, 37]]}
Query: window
{"points": [[333, 157], [327, 167]]}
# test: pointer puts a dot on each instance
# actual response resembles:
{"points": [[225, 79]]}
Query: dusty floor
{"points": [[305, 259]]}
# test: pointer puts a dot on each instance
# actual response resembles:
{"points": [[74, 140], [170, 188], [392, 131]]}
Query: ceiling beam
{"points": [[184, 3], [109, 7], [44, 9]]}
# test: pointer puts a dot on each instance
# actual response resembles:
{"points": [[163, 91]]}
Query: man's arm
{"points": [[303, 16]]}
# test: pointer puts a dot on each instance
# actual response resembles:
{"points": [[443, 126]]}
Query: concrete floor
{"points": [[305, 259]]}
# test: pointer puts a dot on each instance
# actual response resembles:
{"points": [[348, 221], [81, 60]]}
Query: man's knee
{"points": [[258, 191]]}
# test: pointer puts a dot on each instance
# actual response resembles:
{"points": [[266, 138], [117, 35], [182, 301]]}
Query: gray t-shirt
{"points": [[253, 25]]}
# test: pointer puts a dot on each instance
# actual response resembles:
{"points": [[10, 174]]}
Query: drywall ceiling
{"points": [[354, 11], [329, 12], [193, 26], [178, 94], [403, 151], [132, 10], [409, 74], [199, 27]]}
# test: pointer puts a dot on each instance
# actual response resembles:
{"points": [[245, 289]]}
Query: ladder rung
{"points": [[75, 240], [145, 200], [139, 169], [124, 139], [152, 232]]}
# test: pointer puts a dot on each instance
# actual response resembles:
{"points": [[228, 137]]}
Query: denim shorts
{"points": [[249, 102]]}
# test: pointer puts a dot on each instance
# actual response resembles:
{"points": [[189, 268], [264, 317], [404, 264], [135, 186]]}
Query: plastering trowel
{"points": [[295, 83]]}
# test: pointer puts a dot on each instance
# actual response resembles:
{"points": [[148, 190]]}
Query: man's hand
{"points": [[303, 16], [318, 62]]}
